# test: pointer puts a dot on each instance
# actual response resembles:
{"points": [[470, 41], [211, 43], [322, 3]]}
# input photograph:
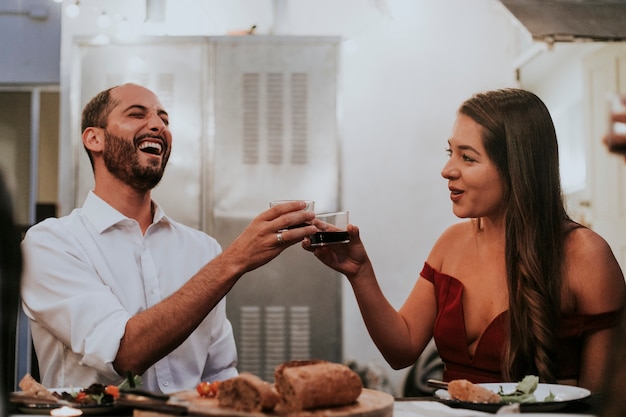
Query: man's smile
{"points": [[152, 145]]}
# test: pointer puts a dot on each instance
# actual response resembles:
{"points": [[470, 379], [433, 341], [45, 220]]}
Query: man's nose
{"points": [[156, 124]]}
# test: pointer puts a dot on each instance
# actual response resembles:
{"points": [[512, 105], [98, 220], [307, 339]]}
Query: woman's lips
{"points": [[455, 195]]}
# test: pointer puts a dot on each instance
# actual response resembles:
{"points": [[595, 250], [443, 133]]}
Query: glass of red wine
{"points": [[616, 135], [332, 229]]}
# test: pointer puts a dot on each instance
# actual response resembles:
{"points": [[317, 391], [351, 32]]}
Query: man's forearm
{"points": [[152, 334]]}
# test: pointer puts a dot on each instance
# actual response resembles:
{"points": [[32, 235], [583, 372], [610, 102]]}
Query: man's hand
{"points": [[270, 233]]}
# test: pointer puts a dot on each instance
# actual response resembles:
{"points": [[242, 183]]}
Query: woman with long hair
{"points": [[516, 289]]}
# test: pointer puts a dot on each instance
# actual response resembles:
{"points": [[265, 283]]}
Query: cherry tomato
{"points": [[208, 389], [81, 396], [204, 389], [113, 391]]}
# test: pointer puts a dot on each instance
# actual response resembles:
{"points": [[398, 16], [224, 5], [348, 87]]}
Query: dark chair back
{"points": [[10, 273]]}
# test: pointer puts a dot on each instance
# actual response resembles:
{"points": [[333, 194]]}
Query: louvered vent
{"points": [[281, 334], [275, 339], [275, 114], [271, 121], [250, 344], [300, 332], [299, 118], [250, 118]]}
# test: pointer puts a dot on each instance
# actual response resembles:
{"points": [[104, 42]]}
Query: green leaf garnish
{"points": [[524, 391]]}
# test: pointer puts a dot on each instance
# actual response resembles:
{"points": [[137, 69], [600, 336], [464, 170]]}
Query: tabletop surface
{"points": [[430, 406]]}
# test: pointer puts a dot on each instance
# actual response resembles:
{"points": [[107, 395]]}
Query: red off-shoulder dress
{"points": [[485, 364]]}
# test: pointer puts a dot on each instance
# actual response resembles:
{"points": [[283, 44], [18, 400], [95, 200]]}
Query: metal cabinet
{"points": [[254, 119]]}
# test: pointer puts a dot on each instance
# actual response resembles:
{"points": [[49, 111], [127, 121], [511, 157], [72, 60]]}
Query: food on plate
{"points": [[113, 391], [464, 390], [34, 389], [207, 389], [305, 385], [247, 392], [524, 391], [95, 394]]}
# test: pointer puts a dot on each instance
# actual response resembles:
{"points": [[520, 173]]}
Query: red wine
{"points": [[295, 226], [329, 238]]}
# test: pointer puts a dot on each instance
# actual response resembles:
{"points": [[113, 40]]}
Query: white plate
{"points": [[563, 394], [45, 409]]}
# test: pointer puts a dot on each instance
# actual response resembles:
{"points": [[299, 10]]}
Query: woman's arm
{"points": [[399, 335], [596, 282]]}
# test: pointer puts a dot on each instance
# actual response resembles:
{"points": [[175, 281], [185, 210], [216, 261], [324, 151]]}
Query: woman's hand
{"points": [[347, 258]]}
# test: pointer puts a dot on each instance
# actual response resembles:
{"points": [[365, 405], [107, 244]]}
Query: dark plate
{"points": [[27, 407]]}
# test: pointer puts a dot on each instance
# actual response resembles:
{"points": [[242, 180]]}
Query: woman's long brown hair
{"points": [[519, 136]]}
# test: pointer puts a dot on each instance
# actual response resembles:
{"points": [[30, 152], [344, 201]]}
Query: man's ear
{"points": [[93, 139]]}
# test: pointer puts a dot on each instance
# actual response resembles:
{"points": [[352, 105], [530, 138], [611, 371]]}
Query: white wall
{"points": [[406, 66], [556, 75]]}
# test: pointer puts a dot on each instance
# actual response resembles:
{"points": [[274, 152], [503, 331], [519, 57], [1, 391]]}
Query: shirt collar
{"points": [[102, 215]]}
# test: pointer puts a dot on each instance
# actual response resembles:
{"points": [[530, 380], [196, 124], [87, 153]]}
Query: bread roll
{"points": [[305, 385], [247, 392], [464, 390], [34, 389]]}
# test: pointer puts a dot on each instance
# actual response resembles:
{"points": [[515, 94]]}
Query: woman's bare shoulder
{"points": [[583, 244], [592, 272]]}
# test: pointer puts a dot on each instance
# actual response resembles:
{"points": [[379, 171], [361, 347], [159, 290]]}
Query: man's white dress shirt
{"points": [[86, 274]]}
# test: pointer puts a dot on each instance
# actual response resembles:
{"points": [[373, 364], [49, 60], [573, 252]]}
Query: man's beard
{"points": [[122, 160]]}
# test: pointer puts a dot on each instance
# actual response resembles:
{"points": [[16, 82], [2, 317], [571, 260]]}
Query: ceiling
{"points": [[571, 20]]}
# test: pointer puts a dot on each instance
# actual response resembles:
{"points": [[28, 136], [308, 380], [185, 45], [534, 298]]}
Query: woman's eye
{"points": [[465, 157]]}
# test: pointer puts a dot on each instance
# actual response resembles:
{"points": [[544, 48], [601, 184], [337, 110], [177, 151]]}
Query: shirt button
{"points": [[153, 291], [165, 384]]}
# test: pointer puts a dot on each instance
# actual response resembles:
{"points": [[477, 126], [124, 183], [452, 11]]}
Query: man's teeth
{"points": [[150, 147]]}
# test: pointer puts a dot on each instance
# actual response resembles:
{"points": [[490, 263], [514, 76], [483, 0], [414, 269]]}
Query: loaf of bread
{"points": [[464, 390], [306, 385], [247, 392]]}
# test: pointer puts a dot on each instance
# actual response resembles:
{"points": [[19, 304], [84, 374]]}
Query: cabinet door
{"points": [[253, 119], [605, 71], [275, 137]]}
